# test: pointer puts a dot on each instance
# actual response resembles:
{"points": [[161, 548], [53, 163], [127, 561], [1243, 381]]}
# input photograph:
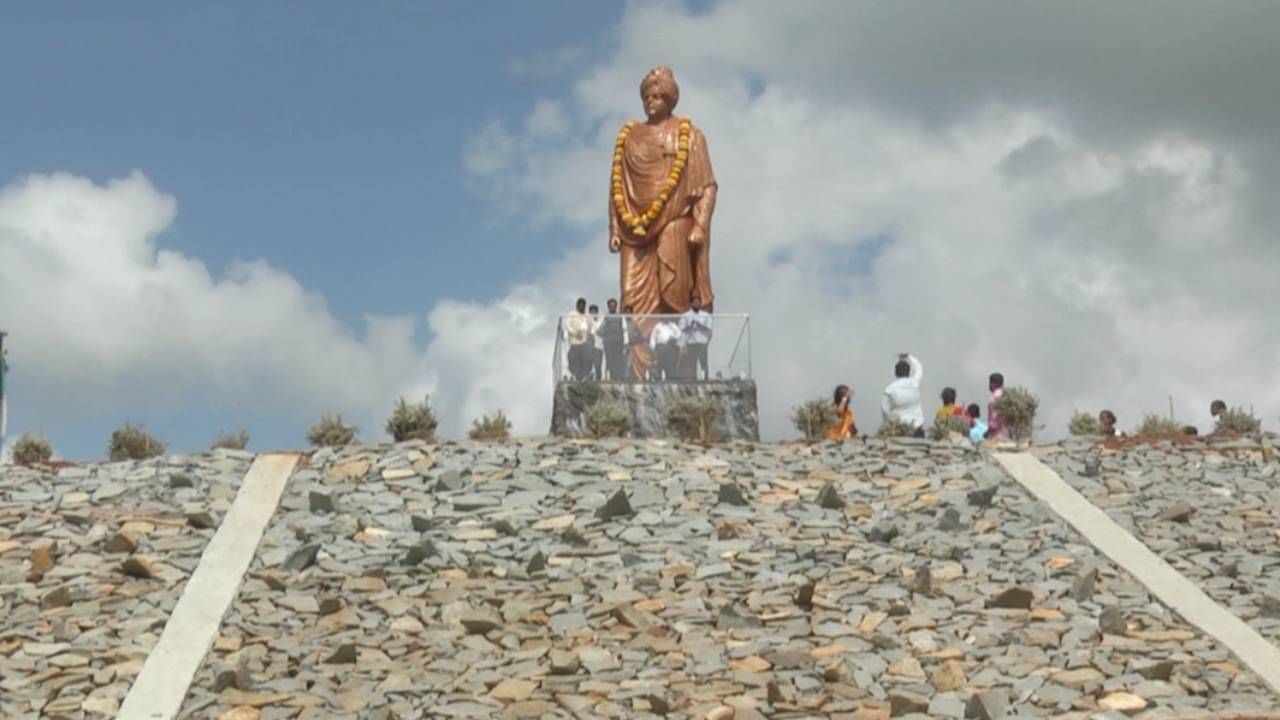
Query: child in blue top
{"points": [[977, 426]]}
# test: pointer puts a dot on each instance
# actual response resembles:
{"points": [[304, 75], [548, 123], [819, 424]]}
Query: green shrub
{"points": [[491, 427], [331, 432], [132, 442], [31, 450], [1239, 420], [692, 418], [947, 424], [1083, 424], [1159, 425], [608, 418], [412, 421], [812, 418], [1017, 409], [895, 428], [231, 441]]}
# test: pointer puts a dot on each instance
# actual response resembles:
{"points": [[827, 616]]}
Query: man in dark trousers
{"points": [[611, 334], [695, 325], [597, 352], [577, 335]]}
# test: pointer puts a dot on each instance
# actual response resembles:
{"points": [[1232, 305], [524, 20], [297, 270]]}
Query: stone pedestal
{"points": [[739, 416]]}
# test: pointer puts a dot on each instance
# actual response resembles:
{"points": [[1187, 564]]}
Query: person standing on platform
{"points": [[902, 397], [577, 332], [611, 334], [597, 349], [695, 324], [663, 341]]}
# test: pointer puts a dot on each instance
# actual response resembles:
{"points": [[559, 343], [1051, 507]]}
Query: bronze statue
{"points": [[662, 193]]}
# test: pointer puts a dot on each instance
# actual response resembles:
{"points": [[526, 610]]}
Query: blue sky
{"points": [[337, 204], [324, 137]]}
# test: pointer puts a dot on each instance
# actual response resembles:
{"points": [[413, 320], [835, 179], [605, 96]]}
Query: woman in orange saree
{"points": [[844, 427]]}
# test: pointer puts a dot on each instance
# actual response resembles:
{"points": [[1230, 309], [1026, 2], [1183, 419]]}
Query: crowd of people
{"points": [[902, 403], [604, 347]]}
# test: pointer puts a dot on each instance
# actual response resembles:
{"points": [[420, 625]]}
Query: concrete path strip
{"points": [[160, 688], [1167, 584]]}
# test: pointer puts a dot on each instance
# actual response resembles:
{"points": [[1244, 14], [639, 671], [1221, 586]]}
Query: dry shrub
{"points": [[31, 450], [132, 442], [1017, 409], [1159, 425], [331, 432], [231, 441], [947, 424], [1083, 424], [1239, 420], [692, 418], [895, 428], [491, 427], [412, 421], [812, 418], [608, 418]]}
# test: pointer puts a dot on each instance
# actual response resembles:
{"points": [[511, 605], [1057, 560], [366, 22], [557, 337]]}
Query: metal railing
{"points": [[652, 348]]}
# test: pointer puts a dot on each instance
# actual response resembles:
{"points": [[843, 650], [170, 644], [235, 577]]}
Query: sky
{"points": [[245, 215]]}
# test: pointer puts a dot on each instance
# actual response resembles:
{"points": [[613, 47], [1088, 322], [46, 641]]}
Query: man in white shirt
{"points": [[663, 341], [901, 399], [577, 333], [695, 324]]}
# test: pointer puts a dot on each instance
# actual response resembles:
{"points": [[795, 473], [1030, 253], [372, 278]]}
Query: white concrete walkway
{"points": [[160, 688], [1170, 586]]}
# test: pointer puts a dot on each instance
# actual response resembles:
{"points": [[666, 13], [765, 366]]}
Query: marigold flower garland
{"points": [[639, 224]]}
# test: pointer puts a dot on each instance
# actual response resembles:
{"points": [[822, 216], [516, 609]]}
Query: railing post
{"points": [[555, 356], [3, 408]]}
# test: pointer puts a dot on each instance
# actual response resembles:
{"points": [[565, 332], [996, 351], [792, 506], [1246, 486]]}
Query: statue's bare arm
{"points": [[702, 211], [615, 232]]}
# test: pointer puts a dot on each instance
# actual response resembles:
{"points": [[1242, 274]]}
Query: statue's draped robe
{"points": [[661, 271]]}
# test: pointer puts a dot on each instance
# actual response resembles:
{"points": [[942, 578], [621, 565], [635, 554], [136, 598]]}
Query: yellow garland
{"points": [[639, 224]]}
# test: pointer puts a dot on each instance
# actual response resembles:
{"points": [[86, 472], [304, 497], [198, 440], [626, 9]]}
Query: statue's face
{"points": [[656, 105]]}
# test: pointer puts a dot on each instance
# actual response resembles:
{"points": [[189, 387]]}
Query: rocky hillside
{"points": [[642, 579]]}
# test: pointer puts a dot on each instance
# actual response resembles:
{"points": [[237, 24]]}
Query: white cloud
{"points": [[969, 185], [490, 151], [101, 316], [1101, 251], [547, 120]]}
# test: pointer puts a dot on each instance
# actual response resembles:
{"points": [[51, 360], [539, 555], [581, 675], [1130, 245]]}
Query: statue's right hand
{"points": [[615, 243]]}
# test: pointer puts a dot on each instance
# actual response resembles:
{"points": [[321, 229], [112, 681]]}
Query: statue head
{"points": [[659, 92]]}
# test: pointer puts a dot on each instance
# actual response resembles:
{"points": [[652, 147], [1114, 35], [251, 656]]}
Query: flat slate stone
{"points": [[617, 506], [475, 501], [302, 558]]}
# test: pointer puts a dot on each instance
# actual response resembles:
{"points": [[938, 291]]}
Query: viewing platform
{"points": [[647, 362]]}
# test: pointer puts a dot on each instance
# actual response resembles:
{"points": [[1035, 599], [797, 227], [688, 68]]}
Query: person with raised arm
{"points": [[901, 399]]}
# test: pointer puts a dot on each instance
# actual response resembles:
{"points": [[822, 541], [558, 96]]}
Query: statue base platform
{"points": [[739, 416]]}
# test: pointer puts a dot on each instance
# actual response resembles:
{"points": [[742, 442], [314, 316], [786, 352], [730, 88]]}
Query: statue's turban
{"points": [[665, 80]]}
